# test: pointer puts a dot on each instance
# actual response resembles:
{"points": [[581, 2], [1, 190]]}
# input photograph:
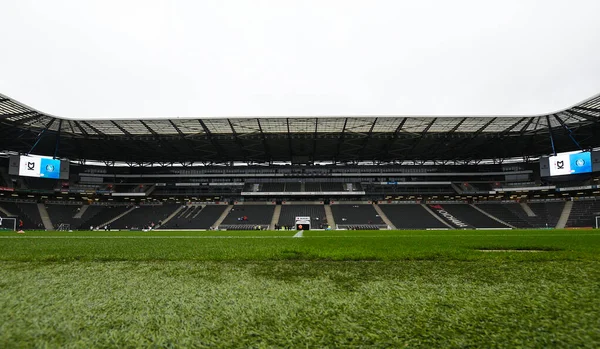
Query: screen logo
{"points": [[50, 168]]}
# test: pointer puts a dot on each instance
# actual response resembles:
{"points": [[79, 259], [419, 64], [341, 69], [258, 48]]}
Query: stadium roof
{"points": [[298, 139]]}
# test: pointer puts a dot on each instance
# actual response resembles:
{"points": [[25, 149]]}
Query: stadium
{"points": [[363, 173], [313, 231]]}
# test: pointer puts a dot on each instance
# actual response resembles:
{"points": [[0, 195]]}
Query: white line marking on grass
{"points": [[146, 237], [443, 235], [299, 234], [531, 251]]}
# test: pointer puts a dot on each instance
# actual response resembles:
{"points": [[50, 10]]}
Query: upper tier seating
{"points": [[326, 186], [412, 216], [302, 187], [312, 186], [40, 183], [293, 186], [315, 212], [272, 187]]}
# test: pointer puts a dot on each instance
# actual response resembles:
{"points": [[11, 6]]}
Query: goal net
{"points": [[597, 222], [8, 223]]}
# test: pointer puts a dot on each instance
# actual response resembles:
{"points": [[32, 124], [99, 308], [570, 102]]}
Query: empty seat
{"points": [[345, 215], [584, 213], [510, 213], [290, 212], [143, 216], [411, 216], [196, 217], [470, 216], [255, 215]]}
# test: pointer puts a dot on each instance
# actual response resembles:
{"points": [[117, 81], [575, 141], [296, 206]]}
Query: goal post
{"points": [[597, 222], [8, 223]]}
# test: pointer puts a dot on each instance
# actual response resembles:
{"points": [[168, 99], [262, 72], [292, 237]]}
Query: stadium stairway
{"points": [[564, 216], [117, 217], [198, 212], [456, 188], [384, 217], [436, 216], [4, 212], [223, 216], [81, 211], [492, 217], [150, 190], [329, 216], [175, 213], [528, 210], [45, 217], [276, 214]]}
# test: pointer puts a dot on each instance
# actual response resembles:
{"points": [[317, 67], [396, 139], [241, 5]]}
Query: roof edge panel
{"points": [[4, 99]]}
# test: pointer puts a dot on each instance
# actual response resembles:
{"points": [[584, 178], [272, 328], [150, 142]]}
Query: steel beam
{"points": [[125, 132], [340, 141]]}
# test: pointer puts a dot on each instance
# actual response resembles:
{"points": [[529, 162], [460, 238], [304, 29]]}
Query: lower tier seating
{"points": [[315, 212], [469, 215], [62, 214], [411, 216], [546, 213], [144, 216], [104, 214], [196, 217], [26, 212], [250, 215], [356, 215], [511, 213], [584, 213]]}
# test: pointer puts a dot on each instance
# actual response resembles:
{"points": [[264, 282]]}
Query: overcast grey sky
{"points": [[115, 58]]}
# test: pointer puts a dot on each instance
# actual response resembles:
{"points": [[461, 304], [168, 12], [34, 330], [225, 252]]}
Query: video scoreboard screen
{"points": [[39, 167], [570, 163]]}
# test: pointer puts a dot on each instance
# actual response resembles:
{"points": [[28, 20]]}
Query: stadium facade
{"points": [[442, 172]]}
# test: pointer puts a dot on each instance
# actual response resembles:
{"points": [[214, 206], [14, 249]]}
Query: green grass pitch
{"points": [[416, 289]]}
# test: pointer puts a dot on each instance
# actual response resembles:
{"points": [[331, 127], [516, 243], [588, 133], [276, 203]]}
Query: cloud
{"points": [[299, 58]]}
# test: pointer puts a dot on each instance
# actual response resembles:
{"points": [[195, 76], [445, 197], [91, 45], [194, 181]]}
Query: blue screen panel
{"points": [[50, 168], [581, 162]]}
